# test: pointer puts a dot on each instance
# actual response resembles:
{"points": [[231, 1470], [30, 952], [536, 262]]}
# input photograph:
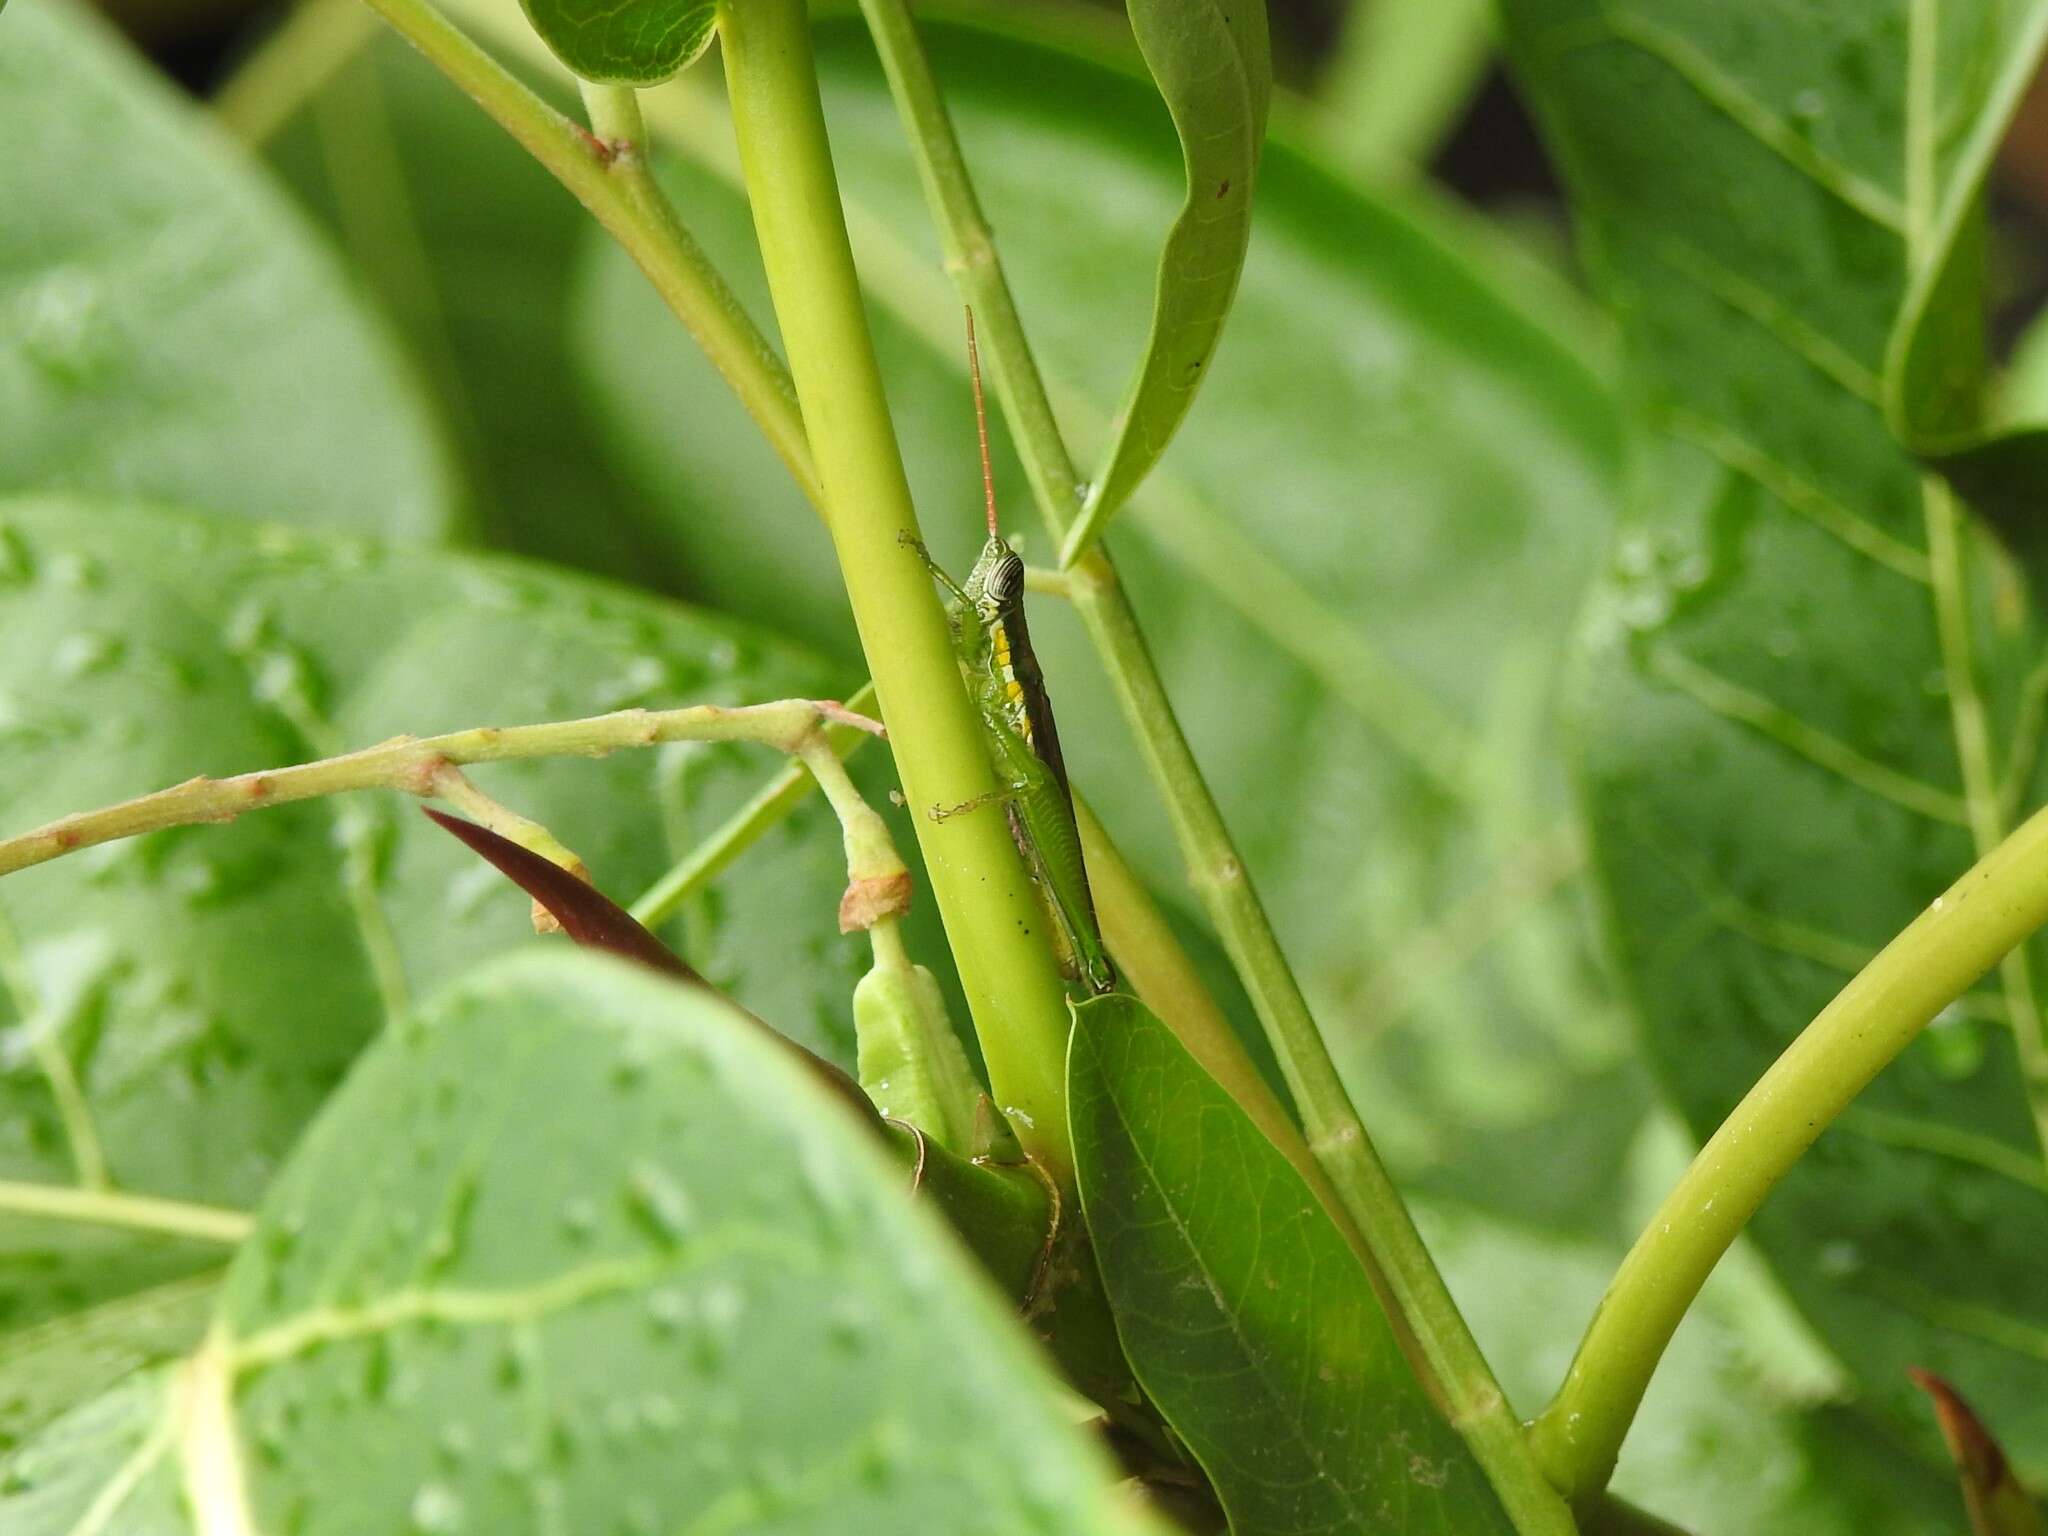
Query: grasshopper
{"points": [[994, 646]]}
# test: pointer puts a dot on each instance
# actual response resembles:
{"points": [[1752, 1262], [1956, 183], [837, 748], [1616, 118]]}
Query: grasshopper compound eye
{"points": [[1006, 581]]}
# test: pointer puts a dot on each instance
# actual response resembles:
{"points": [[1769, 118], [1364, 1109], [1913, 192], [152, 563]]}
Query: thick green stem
{"points": [[984, 895], [616, 187], [1406, 1273], [1939, 956]]}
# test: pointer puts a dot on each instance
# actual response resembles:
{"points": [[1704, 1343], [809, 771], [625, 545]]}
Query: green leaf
{"points": [[119, 1440], [1812, 690], [184, 1002], [1357, 570], [1213, 64], [1245, 1314], [167, 328], [638, 42], [576, 1249], [470, 247], [48, 1369]]}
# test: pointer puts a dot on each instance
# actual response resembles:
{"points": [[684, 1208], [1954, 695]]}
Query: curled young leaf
{"points": [[1213, 64]]}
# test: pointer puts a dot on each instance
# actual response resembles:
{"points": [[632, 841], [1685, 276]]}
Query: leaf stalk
{"points": [[1943, 952]]}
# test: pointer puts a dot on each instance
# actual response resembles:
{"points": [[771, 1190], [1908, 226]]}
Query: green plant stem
{"points": [[984, 895], [1451, 1357], [422, 765], [767, 808], [137, 1213], [613, 182], [1940, 955], [614, 113]]}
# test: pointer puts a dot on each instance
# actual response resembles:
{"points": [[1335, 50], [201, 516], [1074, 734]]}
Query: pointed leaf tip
{"points": [[1997, 1504], [585, 913]]}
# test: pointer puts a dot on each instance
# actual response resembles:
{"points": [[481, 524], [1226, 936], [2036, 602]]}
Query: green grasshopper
{"points": [[994, 647]]}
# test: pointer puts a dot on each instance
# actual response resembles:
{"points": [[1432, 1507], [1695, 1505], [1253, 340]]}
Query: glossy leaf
{"points": [[637, 42], [186, 1001], [1976, 62], [1214, 66], [167, 327], [1357, 570], [702, 1296], [1245, 1313], [1812, 686]]}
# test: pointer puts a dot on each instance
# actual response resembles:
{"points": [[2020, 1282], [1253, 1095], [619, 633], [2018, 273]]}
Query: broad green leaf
{"points": [[1245, 1314], [116, 1444], [1357, 570], [575, 1249], [637, 42], [470, 245], [1214, 67], [1812, 690], [48, 1369], [167, 328], [178, 1006]]}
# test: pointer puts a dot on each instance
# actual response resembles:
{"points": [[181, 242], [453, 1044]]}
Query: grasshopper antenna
{"points": [[988, 478]]}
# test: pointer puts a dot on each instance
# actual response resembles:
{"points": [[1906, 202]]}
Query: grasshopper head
{"points": [[996, 584]]}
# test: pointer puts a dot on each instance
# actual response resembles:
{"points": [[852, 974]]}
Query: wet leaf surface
{"points": [[1813, 684], [183, 1003], [169, 327], [576, 1249]]}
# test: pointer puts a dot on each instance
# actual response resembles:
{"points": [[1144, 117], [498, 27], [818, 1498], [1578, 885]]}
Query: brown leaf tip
{"points": [[1976, 1454]]}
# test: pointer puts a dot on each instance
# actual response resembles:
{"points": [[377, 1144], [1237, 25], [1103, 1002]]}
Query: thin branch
{"points": [[425, 766], [139, 1213], [621, 194]]}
